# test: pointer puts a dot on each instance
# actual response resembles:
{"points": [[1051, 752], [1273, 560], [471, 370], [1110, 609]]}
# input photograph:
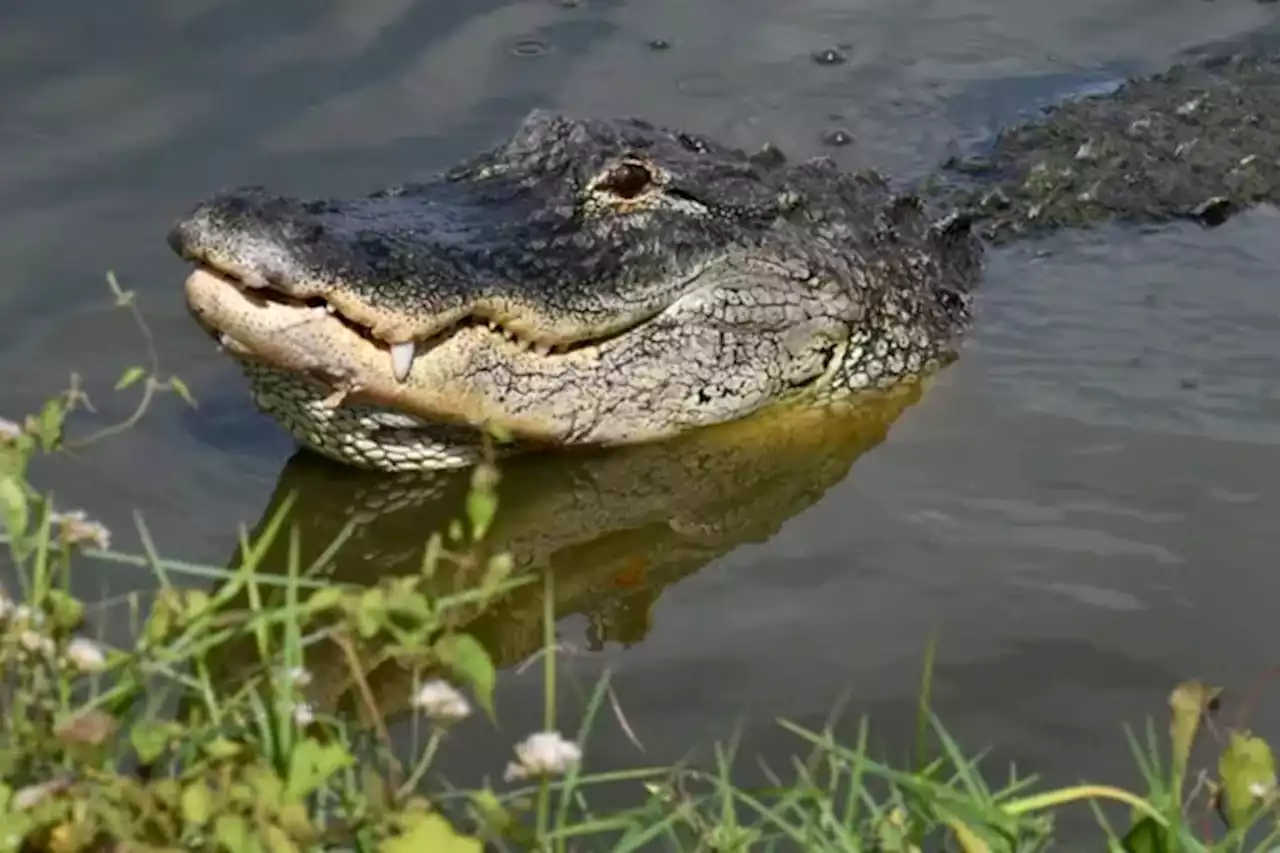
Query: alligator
{"points": [[595, 282], [614, 527]]}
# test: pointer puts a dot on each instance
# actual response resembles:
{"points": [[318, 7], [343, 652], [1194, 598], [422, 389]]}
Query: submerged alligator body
{"points": [[598, 282]]}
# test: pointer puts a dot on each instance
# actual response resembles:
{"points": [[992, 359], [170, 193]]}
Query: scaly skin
{"points": [[603, 282], [1198, 142]]}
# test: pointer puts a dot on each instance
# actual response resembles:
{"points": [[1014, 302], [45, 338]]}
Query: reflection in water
{"points": [[616, 526]]}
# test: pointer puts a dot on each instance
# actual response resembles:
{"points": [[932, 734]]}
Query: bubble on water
{"points": [[829, 56], [530, 48], [837, 137]]}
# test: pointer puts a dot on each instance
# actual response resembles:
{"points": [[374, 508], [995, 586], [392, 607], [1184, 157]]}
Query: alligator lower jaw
{"points": [[313, 341]]}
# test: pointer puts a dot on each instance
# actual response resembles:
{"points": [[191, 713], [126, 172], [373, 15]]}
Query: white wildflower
{"points": [[543, 754], [36, 643], [441, 701], [77, 528], [86, 655], [27, 615], [32, 795], [1261, 789], [298, 676], [10, 431], [304, 714]]}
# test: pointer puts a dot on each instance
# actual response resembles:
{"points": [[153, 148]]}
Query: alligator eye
{"points": [[626, 180]]}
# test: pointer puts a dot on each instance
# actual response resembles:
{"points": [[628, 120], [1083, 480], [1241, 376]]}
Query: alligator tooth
{"points": [[255, 280], [493, 327], [331, 308], [511, 336], [402, 360], [542, 349]]}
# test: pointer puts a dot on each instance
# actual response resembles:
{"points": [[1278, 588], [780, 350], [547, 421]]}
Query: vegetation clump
{"points": [[156, 748]]}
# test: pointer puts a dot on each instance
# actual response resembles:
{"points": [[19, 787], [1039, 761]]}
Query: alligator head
{"points": [[585, 283]]}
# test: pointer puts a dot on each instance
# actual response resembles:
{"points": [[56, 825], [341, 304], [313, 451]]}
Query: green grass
{"points": [[160, 748]]}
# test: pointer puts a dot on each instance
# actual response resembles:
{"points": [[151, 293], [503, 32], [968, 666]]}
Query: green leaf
{"points": [[469, 660], [1248, 771], [481, 508], [14, 454], [1188, 702], [222, 749], [196, 803], [431, 554], [499, 433], [49, 424], [493, 815], [167, 792], [67, 613], [311, 764], [13, 505], [369, 617], [893, 831], [432, 832], [408, 604], [482, 500], [129, 377], [180, 388], [278, 841], [293, 819], [1146, 836], [158, 625], [267, 787], [151, 739], [168, 614], [325, 599], [195, 603], [969, 841], [233, 833], [14, 836]]}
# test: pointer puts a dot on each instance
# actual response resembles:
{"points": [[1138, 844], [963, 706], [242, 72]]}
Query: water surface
{"points": [[1080, 508]]}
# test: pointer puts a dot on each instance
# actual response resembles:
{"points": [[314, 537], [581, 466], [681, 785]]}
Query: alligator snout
{"points": [[248, 235]]}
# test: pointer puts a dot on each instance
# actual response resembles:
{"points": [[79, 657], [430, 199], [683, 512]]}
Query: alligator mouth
{"points": [[207, 278]]}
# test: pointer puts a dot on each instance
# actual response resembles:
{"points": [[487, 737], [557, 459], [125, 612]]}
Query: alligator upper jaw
{"points": [[522, 325], [278, 246], [313, 340]]}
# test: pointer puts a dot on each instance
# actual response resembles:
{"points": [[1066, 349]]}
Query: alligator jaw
{"points": [[315, 341], [396, 283], [207, 284]]}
